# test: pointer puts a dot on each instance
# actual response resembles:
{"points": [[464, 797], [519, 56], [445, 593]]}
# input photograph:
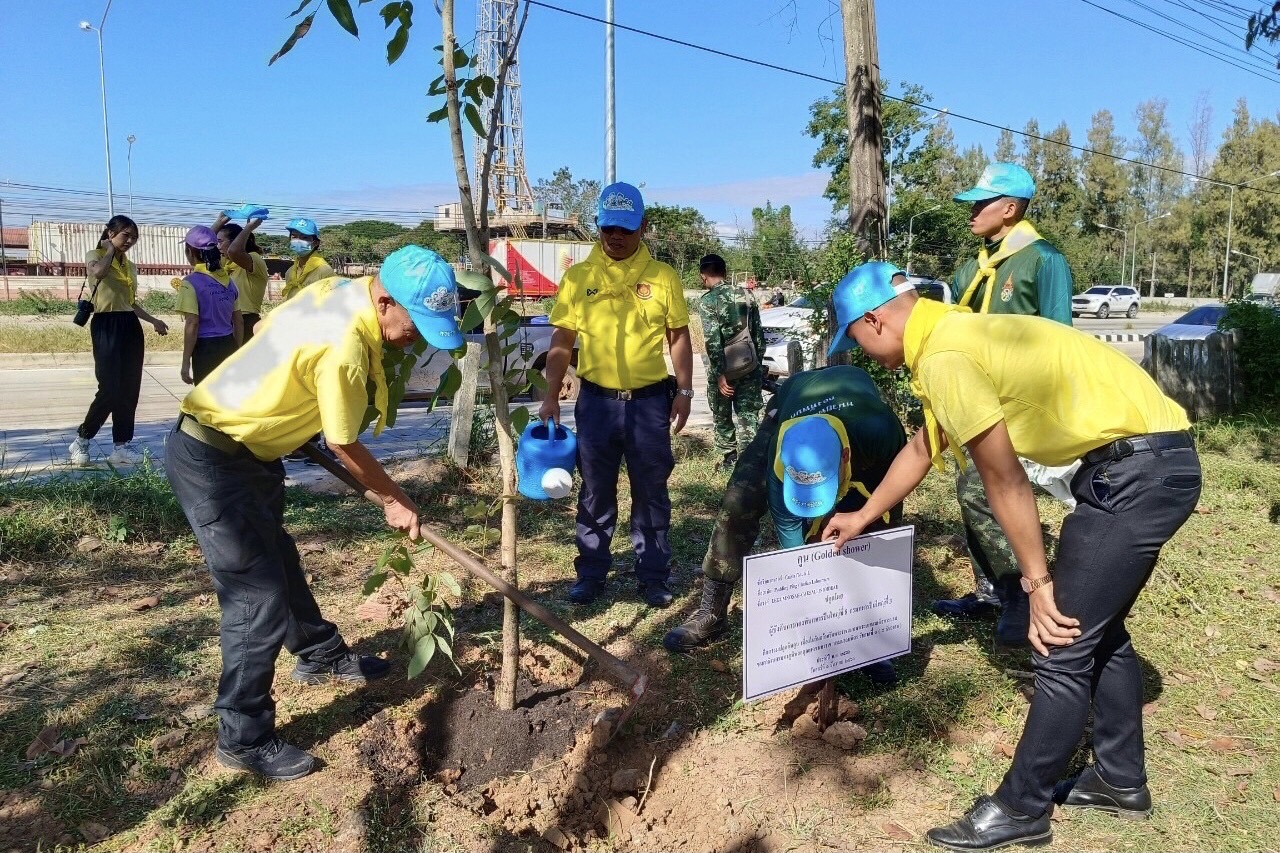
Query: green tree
{"points": [[1032, 149], [1104, 199], [576, 197], [680, 236], [1058, 199], [777, 254], [1006, 149]]}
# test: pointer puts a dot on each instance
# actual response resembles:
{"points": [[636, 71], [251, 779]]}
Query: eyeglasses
{"points": [[612, 230]]}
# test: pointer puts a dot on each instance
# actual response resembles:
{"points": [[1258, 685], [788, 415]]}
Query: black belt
{"points": [[1125, 447], [653, 390], [210, 436]]}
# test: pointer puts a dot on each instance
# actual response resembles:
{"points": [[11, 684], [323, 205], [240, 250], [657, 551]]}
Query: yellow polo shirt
{"points": [[118, 289], [251, 283], [300, 275], [621, 311], [1060, 392], [308, 369]]}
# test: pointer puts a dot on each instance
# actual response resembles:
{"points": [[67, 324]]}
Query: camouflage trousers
{"points": [[745, 503], [747, 402]]}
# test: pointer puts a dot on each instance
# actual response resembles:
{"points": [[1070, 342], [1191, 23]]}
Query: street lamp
{"points": [[1247, 255], [1124, 248], [1231, 209], [1133, 276], [888, 196], [102, 77], [130, 139], [911, 234]]}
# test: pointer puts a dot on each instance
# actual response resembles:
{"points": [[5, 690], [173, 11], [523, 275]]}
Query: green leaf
{"points": [[304, 4], [422, 654], [537, 380], [495, 264], [473, 116], [395, 47], [450, 382], [471, 318], [460, 58], [437, 87], [374, 583], [474, 530], [491, 536], [298, 33], [389, 13], [486, 84], [445, 649], [430, 621], [341, 11], [438, 115], [520, 419], [475, 511], [450, 583]]}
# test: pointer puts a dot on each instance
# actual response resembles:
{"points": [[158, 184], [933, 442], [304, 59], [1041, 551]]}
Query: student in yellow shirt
{"points": [[112, 281], [315, 365], [248, 268], [1004, 386], [309, 267], [208, 301]]}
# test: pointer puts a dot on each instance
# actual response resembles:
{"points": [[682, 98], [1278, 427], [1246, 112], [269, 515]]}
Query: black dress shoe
{"points": [[966, 606], [987, 826], [1090, 791], [585, 591], [655, 594]]}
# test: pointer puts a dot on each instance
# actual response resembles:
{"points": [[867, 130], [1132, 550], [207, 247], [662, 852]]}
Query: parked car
{"points": [[1195, 325], [792, 321], [1105, 300]]}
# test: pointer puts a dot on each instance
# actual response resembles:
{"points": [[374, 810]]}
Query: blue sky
{"points": [[331, 125]]}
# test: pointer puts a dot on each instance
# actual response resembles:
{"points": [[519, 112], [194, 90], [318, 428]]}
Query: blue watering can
{"points": [[545, 460]]}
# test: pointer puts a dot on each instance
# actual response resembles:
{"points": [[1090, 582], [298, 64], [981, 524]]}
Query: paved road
{"points": [[1144, 323]]}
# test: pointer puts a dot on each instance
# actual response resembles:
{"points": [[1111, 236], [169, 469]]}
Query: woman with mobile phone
{"points": [[116, 332]]}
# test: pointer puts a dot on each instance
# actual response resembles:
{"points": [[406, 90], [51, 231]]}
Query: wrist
{"points": [[1032, 583]]}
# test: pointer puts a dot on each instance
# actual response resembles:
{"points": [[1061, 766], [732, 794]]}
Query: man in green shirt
{"points": [[1016, 271], [825, 444], [726, 311]]}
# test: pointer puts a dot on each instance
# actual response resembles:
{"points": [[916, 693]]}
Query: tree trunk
{"points": [[477, 248], [867, 208]]}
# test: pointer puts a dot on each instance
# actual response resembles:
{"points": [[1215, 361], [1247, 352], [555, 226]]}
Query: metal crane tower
{"points": [[509, 190]]}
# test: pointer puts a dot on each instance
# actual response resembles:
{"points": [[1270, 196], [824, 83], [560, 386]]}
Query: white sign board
{"points": [[811, 613]]}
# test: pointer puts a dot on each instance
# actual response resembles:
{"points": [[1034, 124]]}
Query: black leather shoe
{"points": [[1015, 614], [655, 594], [351, 668], [585, 591], [275, 760], [966, 606], [987, 826], [1090, 791]]}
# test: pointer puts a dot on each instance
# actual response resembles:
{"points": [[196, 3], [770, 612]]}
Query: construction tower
{"points": [[509, 190]]}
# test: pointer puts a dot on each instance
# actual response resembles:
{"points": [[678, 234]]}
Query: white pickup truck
{"points": [[533, 338]]}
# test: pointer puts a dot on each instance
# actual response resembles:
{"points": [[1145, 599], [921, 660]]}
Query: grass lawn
{"points": [[108, 645]]}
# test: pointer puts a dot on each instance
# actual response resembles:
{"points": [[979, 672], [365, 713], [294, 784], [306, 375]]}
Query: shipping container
{"points": [[537, 265], [60, 247]]}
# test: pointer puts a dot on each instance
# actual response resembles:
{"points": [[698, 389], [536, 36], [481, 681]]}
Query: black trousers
{"points": [[235, 505], [117, 365], [250, 320], [1127, 509], [209, 353]]}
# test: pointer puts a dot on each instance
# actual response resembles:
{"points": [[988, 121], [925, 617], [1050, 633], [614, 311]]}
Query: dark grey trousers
{"points": [[1127, 509], [235, 505]]}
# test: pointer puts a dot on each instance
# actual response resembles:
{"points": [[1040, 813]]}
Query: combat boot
{"points": [[709, 621]]}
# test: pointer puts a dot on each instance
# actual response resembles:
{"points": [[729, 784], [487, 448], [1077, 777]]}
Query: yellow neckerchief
{"points": [[846, 467], [371, 333], [924, 317], [1019, 237], [616, 279], [301, 269], [121, 263], [221, 275]]}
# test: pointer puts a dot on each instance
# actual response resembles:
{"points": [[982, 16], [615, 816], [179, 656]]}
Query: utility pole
{"points": [[4, 256], [610, 124], [866, 132], [1152, 292]]}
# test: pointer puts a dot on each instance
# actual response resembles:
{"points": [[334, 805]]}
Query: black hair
{"points": [[233, 230], [1020, 205], [713, 265], [210, 257], [116, 224]]}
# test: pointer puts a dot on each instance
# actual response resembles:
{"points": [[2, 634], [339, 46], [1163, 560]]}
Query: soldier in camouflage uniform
{"points": [[725, 309]]}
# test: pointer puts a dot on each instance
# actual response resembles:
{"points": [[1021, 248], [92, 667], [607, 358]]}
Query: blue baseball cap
{"points": [[621, 206], [423, 282], [810, 453], [1001, 179], [864, 289], [303, 226]]}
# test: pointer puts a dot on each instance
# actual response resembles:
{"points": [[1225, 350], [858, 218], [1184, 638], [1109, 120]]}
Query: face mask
{"points": [[300, 247]]}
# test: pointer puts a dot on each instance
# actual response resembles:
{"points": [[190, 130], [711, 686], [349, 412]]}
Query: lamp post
{"points": [[1231, 209], [1133, 275], [1247, 255], [1124, 248], [888, 196], [911, 234], [102, 77], [130, 139]]}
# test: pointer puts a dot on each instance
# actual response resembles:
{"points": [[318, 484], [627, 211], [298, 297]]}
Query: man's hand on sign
{"points": [[549, 410], [1048, 626], [726, 390], [403, 517], [680, 412], [843, 526]]}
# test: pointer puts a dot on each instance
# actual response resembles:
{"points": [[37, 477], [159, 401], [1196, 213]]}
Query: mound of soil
{"points": [[467, 734]]}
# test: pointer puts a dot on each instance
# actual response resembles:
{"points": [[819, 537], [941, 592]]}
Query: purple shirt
{"points": [[217, 302]]}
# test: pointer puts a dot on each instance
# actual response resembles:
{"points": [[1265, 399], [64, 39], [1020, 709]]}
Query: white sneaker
{"points": [[125, 454], [79, 450]]}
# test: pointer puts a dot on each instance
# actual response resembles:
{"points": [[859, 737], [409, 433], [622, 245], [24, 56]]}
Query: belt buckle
{"points": [[624, 396], [1123, 448]]}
